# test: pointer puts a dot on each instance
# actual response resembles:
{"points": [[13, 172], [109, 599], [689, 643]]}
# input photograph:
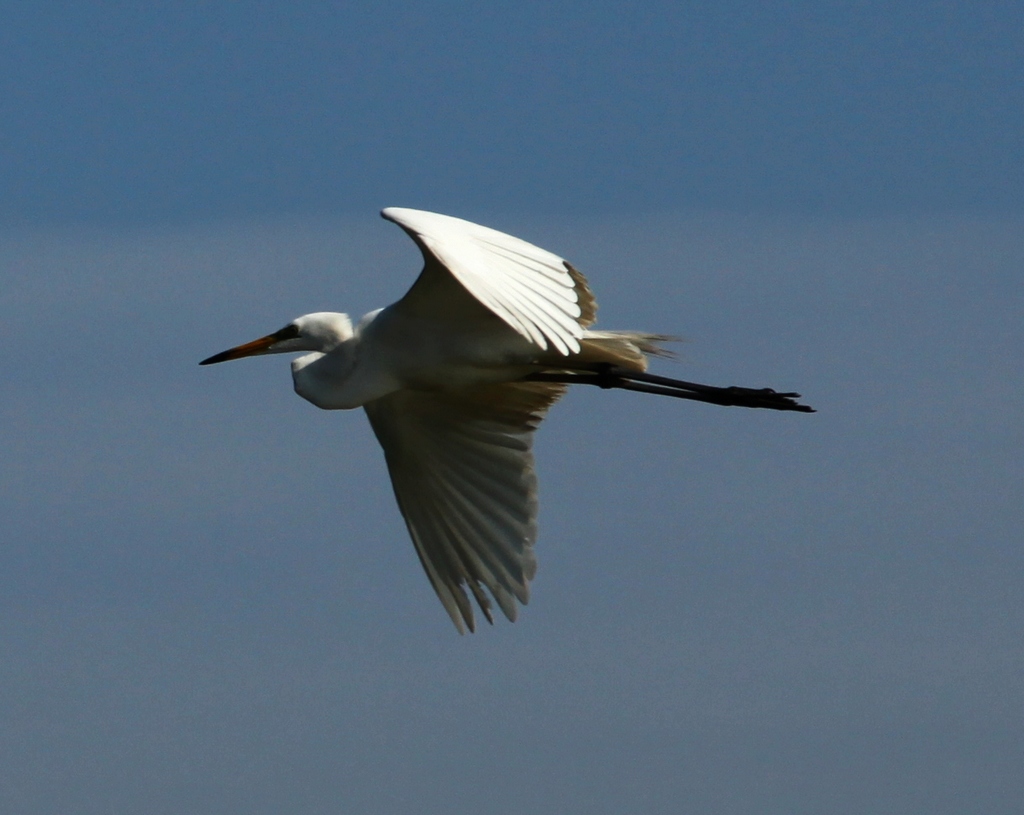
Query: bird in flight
{"points": [[456, 376]]}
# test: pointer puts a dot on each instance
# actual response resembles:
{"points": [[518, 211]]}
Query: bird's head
{"points": [[322, 331]]}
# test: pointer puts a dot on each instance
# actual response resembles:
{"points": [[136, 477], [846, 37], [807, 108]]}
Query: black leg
{"points": [[609, 376]]}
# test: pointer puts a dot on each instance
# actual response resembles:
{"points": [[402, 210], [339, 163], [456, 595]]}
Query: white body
{"points": [[391, 350]]}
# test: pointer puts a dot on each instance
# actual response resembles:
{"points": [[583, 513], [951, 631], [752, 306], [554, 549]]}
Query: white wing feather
{"points": [[461, 465], [529, 288]]}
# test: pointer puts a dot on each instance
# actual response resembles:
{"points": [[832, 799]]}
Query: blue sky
{"points": [[129, 112], [208, 601]]}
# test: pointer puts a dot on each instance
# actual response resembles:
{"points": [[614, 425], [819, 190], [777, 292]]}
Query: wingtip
{"points": [[394, 214]]}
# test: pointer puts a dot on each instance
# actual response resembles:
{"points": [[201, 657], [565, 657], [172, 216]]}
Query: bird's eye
{"points": [[289, 332]]}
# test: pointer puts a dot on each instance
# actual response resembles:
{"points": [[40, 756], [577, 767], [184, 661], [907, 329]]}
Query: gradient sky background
{"points": [[208, 601]]}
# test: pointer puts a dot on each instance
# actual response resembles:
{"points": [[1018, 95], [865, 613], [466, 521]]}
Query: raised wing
{"points": [[461, 465], [534, 291]]}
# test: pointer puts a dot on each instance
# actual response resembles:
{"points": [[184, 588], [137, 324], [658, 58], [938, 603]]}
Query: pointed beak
{"points": [[260, 346]]}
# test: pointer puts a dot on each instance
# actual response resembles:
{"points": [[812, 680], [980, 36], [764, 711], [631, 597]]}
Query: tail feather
{"points": [[625, 349]]}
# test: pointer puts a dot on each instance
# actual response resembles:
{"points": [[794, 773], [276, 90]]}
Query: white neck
{"points": [[340, 374]]}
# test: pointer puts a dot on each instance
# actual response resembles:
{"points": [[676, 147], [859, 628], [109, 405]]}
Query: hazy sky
{"points": [[208, 600]]}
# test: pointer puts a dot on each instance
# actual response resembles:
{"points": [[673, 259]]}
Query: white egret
{"points": [[456, 376]]}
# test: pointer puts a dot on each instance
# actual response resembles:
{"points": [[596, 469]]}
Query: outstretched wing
{"points": [[461, 465], [534, 291]]}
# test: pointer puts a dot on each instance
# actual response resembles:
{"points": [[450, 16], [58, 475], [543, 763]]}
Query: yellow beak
{"points": [[249, 349]]}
